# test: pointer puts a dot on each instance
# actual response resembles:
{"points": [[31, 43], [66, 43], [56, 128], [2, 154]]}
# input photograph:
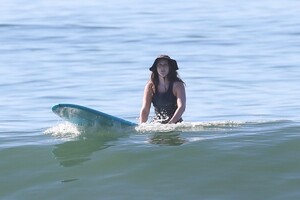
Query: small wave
{"points": [[202, 126], [59, 26], [69, 131]]}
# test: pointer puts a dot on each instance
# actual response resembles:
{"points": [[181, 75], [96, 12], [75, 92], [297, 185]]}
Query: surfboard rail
{"points": [[84, 116]]}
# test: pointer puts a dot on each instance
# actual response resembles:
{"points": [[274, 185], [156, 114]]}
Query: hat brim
{"points": [[172, 62]]}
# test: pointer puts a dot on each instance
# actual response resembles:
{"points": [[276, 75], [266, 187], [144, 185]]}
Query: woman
{"points": [[166, 91]]}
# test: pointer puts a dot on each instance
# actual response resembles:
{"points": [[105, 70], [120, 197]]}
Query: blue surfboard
{"points": [[84, 116]]}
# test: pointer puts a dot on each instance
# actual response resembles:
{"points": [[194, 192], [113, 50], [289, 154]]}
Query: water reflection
{"points": [[170, 139], [76, 152], [84, 141]]}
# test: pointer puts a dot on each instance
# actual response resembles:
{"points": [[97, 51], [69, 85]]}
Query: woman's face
{"points": [[162, 67]]}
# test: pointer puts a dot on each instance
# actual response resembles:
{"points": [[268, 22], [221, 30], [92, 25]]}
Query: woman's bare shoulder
{"points": [[178, 88], [149, 84], [149, 87], [178, 84]]}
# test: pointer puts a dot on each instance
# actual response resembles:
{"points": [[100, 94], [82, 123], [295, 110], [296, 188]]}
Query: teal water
{"points": [[240, 137]]}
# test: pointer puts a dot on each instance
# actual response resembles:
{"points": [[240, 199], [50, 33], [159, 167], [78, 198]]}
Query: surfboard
{"points": [[84, 116]]}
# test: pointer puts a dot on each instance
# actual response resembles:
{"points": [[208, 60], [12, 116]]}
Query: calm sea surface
{"points": [[240, 138]]}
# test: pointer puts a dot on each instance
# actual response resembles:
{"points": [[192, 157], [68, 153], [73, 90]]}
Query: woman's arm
{"points": [[145, 110], [179, 92]]}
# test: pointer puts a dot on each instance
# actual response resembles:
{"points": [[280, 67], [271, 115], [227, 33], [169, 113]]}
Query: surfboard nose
{"points": [[56, 108]]}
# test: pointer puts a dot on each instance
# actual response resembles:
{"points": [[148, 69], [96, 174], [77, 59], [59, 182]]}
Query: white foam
{"points": [[186, 126], [195, 139], [155, 127], [65, 130]]}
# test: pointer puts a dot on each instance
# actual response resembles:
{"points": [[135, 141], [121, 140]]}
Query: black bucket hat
{"points": [[172, 62]]}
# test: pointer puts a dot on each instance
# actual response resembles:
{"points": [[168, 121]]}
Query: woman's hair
{"points": [[172, 76]]}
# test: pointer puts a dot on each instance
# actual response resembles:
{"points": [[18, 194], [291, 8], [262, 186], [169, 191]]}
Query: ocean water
{"points": [[240, 138]]}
